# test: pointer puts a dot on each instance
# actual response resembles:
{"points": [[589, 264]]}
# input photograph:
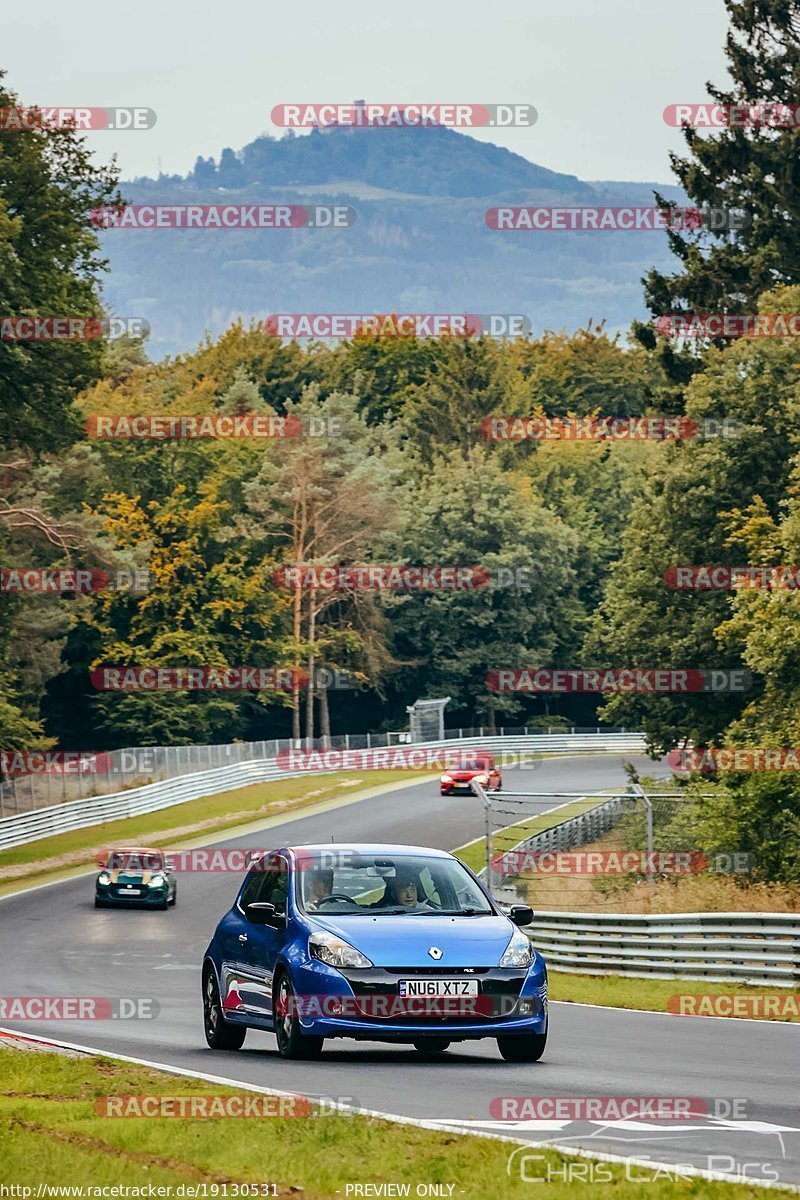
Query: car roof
{"points": [[369, 848]]}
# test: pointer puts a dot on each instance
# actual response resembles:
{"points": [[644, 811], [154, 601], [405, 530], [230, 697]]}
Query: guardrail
{"points": [[107, 772], [21, 828], [747, 947]]}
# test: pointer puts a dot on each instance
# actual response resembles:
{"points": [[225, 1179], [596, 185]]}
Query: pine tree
{"points": [[754, 168]]}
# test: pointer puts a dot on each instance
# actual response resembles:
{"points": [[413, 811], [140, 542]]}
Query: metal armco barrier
{"points": [[21, 828], [577, 831], [745, 947], [96, 810], [137, 766]]}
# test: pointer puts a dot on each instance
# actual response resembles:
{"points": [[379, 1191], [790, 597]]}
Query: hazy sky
{"points": [[600, 72]]}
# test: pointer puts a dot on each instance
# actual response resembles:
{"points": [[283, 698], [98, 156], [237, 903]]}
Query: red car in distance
{"points": [[459, 776]]}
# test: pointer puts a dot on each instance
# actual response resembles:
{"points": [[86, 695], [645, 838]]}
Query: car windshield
{"points": [[349, 881], [470, 764], [134, 860]]}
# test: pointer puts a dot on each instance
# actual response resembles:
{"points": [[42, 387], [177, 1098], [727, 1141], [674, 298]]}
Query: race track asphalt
{"points": [[54, 943]]}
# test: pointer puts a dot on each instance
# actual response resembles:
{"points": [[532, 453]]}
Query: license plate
{"points": [[438, 987], [131, 891]]}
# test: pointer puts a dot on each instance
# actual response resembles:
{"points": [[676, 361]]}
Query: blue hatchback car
{"points": [[381, 943]]}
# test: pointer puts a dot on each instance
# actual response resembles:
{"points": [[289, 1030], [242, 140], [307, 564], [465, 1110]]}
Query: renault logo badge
{"points": [[435, 952]]}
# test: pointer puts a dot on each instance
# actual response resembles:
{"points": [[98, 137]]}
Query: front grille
{"points": [[498, 991], [437, 972]]}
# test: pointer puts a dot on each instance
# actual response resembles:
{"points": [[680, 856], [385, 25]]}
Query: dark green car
{"points": [[135, 877]]}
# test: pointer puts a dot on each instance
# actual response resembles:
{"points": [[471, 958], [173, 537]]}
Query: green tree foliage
{"points": [[755, 168], [683, 518]]}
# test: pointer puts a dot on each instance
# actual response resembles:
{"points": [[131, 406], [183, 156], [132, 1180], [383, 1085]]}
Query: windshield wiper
{"points": [[462, 912]]}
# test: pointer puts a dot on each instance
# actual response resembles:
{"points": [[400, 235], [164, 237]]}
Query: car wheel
{"points": [[522, 1048], [220, 1034], [431, 1047], [292, 1043]]}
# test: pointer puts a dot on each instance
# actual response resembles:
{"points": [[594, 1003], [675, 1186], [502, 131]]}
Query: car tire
{"points": [[220, 1034], [164, 905], [431, 1047], [292, 1042], [98, 903], [522, 1048]]}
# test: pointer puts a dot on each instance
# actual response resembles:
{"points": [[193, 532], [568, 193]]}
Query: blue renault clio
{"points": [[380, 943]]}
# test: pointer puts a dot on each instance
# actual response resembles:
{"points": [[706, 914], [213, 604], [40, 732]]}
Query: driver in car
{"points": [[320, 885], [402, 891]]}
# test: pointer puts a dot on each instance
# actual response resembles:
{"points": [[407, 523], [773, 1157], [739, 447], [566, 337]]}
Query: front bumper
{"points": [[148, 897], [508, 1002]]}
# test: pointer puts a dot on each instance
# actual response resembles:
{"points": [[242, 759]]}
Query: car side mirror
{"points": [[261, 912], [521, 914]]}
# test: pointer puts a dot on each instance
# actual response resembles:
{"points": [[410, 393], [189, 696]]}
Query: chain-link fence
{"points": [[75, 776], [601, 853]]}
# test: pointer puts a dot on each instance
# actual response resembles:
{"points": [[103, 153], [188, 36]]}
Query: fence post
{"points": [[639, 791]]}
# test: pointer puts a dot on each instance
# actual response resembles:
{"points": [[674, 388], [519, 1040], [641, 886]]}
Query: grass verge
{"points": [[618, 991], [51, 1134], [53, 857]]}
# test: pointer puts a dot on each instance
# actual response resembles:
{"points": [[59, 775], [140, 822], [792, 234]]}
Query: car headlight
{"points": [[519, 952], [335, 952], [104, 878], [447, 779], [481, 779], [157, 881]]}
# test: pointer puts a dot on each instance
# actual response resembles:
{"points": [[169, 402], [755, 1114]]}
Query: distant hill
{"points": [[420, 242]]}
